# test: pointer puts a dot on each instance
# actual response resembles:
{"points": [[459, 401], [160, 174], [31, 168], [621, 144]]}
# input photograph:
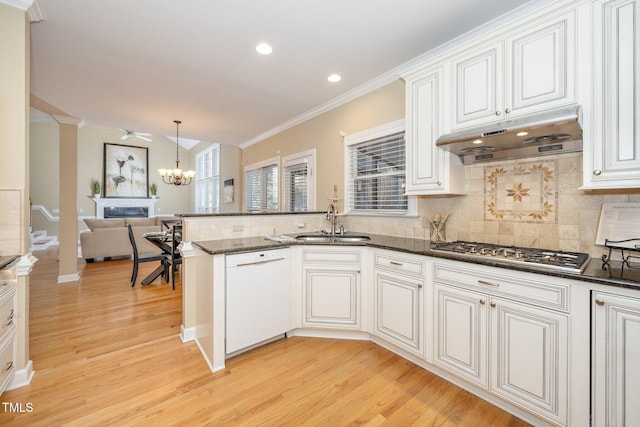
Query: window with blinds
{"points": [[208, 180], [298, 182], [261, 187], [375, 172]]}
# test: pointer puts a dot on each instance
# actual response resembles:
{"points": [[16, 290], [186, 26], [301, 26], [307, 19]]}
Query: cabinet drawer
{"points": [[401, 263], [7, 313], [543, 291], [332, 255], [7, 367]]}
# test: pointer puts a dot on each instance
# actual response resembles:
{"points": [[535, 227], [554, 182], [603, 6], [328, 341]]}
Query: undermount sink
{"points": [[331, 238]]}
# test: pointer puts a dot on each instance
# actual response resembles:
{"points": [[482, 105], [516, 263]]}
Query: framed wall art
{"points": [[126, 171]]}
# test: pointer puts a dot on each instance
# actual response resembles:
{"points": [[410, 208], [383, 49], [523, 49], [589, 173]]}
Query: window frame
{"points": [[364, 136], [214, 178], [264, 164], [307, 157]]}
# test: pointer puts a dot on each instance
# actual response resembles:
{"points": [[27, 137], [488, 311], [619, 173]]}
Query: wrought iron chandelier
{"points": [[176, 176]]}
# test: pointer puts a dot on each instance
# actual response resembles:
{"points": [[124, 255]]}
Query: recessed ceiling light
{"points": [[334, 78], [264, 49], [523, 133], [477, 141]]}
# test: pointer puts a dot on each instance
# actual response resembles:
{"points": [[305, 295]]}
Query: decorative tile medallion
{"points": [[522, 192]]}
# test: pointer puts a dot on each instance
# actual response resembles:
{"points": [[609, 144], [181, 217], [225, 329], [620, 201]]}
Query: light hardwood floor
{"points": [[109, 355]]}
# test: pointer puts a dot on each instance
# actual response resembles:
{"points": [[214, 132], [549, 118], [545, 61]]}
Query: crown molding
{"points": [[20, 4], [66, 120], [35, 13]]}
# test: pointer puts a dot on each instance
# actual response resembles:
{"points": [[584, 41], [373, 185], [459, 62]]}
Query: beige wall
{"points": [[323, 133], [14, 132]]}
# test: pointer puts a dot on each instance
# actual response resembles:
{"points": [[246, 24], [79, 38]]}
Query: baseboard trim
{"points": [[22, 377], [69, 278], [187, 334]]}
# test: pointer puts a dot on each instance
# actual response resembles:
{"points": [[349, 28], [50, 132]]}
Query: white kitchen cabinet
{"points": [[399, 281], [529, 357], [8, 304], [460, 332], [331, 288], [430, 170], [615, 360], [505, 333], [612, 153], [530, 70]]}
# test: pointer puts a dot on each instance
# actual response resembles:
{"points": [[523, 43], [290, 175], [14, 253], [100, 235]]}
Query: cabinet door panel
{"points": [[331, 296], [616, 360], [540, 69], [529, 362], [399, 313], [476, 84], [612, 158], [460, 332]]}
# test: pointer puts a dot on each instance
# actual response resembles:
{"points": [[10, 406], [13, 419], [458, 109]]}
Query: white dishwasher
{"points": [[258, 301]]}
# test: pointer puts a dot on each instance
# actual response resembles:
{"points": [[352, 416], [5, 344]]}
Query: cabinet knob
{"points": [[599, 302], [482, 302], [597, 172], [498, 112], [508, 110], [419, 286], [439, 184], [493, 304]]}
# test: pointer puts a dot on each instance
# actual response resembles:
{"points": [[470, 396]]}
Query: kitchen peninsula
{"points": [[522, 336]]}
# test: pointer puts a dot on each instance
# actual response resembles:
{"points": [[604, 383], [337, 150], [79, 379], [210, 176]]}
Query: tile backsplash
{"points": [[527, 202]]}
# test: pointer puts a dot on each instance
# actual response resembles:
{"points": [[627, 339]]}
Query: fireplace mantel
{"points": [[112, 202]]}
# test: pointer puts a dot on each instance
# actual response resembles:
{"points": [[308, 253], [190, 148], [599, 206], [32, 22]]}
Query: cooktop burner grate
{"points": [[574, 262]]}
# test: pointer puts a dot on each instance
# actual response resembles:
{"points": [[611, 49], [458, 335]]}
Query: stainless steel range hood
{"points": [[549, 132]]}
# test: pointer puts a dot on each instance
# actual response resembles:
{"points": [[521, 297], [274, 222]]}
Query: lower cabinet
{"points": [[331, 297], [399, 310], [460, 332], [616, 360], [398, 287], [331, 294], [529, 357], [515, 350], [8, 304]]}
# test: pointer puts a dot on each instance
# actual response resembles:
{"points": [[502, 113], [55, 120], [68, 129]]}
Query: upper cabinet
{"points": [[612, 153], [529, 70], [430, 170]]}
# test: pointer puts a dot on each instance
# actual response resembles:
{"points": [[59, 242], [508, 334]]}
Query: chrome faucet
{"points": [[331, 216]]}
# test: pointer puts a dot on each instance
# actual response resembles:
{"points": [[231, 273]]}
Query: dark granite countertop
{"points": [[615, 275], [205, 215], [6, 260]]}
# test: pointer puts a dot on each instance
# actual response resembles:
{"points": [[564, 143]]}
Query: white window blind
{"points": [[261, 187], [298, 182], [376, 175], [208, 180]]}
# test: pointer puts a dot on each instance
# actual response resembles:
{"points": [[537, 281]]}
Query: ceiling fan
{"points": [[140, 135]]}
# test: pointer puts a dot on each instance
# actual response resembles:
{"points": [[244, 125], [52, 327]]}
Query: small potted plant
{"points": [[153, 189], [96, 188]]}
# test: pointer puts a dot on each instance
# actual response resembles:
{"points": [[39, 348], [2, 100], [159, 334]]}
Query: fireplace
{"points": [[125, 212], [124, 208]]}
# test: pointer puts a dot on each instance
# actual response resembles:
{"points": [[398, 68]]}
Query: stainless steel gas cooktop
{"points": [[574, 262]]}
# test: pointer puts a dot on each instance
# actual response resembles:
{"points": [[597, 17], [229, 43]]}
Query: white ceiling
{"points": [[140, 64]]}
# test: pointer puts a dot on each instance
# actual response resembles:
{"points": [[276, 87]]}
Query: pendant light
{"points": [[176, 176]]}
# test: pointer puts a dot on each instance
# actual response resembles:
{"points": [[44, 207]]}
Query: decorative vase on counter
{"points": [[437, 227]]}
